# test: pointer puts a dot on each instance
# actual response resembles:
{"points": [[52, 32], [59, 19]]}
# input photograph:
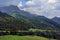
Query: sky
{"points": [[47, 8]]}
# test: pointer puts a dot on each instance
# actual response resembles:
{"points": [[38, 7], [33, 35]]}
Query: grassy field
{"points": [[11, 37]]}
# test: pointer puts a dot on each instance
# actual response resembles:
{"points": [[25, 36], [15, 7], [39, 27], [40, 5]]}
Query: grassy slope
{"points": [[10, 37]]}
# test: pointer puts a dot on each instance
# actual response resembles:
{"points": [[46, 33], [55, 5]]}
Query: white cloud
{"points": [[43, 7], [20, 4], [30, 3], [51, 1]]}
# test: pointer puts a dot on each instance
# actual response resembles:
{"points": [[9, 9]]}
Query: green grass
{"points": [[11, 37], [40, 30]]}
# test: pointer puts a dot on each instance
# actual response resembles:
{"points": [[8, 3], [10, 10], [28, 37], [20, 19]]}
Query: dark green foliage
{"points": [[39, 22], [8, 22], [47, 34]]}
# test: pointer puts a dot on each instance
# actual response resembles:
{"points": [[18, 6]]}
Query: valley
{"points": [[19, 24]]}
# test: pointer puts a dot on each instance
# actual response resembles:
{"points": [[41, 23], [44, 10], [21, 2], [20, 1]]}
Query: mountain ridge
{"points": [[39, 22], [56, 19]]}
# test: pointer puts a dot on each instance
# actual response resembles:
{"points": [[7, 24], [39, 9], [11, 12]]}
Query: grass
{"points": [[33, 30], [14, 37]]}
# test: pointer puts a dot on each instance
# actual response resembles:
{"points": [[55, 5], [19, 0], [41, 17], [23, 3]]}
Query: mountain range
{"points": [[56, 19], [27, 19]]}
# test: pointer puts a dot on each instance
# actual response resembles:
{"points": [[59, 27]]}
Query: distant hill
{"points": [[56, 19], [10, 9], [39, 22]]}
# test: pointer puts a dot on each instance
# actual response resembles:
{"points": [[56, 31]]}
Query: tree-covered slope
{"points": [[39, 22], [8, 22]]}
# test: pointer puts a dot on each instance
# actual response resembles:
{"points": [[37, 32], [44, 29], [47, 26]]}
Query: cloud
{"points": [[8, 2], [20, 4], [30, 3], [51, 1], [48, 8]]}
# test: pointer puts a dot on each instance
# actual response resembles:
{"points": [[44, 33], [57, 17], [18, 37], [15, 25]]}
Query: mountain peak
{"points": [[9, 9], [13, 5], [56, 18]]}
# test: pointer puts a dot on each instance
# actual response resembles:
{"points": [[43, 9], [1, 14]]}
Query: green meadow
{"points": [[14, 37]]}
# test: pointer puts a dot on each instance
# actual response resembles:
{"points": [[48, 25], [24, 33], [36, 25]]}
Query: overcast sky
{"points": [[48, 8]]}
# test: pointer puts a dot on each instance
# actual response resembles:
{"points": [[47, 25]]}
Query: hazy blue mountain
{"points": [[10, 9], [56, 19], [39, 22]]}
